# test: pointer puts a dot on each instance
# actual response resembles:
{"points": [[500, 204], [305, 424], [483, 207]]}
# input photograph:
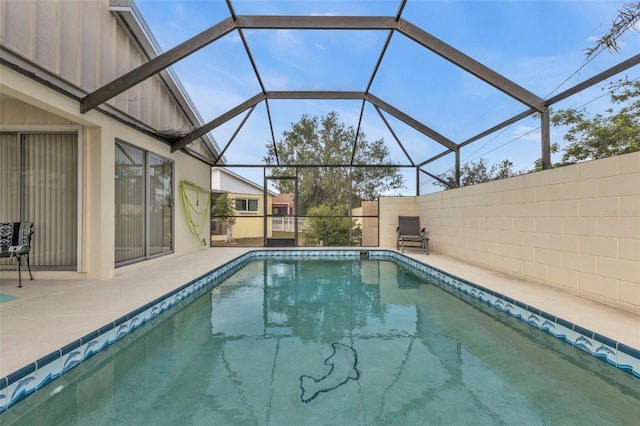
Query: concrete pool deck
{"points": [[49, 314]]}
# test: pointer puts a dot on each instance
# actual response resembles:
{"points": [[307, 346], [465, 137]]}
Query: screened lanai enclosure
{"points": [[319, 108]]}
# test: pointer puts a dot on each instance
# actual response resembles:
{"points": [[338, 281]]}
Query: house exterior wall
{"points": [[227, 182], [82, 46], [249, 224], [82, 43], [390, 208], [576, 228], [369, 225], [98, 134]]}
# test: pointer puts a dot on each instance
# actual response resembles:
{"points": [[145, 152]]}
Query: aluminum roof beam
{"points": [[224, 27], [385, 47], [355, 142], [391, 24], [316, 22], [610, 72], [218, 31], [394, 135], [256, 100], [337, 95], [250, 103], [412, 122], [317, 94], [470, 65], [622, 66], [155, 65], [244, 120]]}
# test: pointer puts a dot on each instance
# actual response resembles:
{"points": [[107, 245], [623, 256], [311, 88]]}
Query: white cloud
{"points": [[527, 133], [286, 39]]}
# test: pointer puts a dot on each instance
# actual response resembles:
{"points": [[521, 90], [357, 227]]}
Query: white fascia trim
{"points": [[243, 179], [144, 38]]}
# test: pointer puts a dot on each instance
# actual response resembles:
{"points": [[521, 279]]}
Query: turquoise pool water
{"points": [[332, 341], [6, 297]]}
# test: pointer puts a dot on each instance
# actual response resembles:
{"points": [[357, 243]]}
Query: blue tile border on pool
{"points": [[615, 353], [27, 380]]}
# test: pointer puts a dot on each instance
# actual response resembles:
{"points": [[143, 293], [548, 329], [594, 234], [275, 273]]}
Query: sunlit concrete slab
{"points": [[609, 321], [49, 314]]}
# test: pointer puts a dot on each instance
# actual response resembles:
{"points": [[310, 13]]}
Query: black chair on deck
{"points": [[409, 230], [15, 241]]}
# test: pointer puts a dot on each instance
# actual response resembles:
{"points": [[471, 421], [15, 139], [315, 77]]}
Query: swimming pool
{"points": [[371, 340]]}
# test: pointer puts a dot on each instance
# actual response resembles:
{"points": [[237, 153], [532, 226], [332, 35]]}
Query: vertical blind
{"points": [[160, 209], [39, 181], [129, 203], [9, 178]]}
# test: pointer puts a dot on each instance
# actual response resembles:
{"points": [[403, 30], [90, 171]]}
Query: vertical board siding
{"points": [[47, 40], [70, 42], [83, 43]]}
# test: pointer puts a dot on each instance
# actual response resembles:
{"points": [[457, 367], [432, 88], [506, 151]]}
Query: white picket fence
{"points": [[284, 223]]}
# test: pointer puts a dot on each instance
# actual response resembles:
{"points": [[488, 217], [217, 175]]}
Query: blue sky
{"points": [[537, 44]]}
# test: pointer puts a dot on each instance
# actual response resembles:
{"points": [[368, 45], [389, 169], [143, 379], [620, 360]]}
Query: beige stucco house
{"points": [[249, 205], [101, 187]]}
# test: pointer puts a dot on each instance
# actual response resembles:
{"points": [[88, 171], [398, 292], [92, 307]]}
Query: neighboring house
{"points": [[249, 203], [101, 186], [284, 213], [284, 205]]}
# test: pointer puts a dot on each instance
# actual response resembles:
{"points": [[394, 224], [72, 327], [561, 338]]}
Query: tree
{"points": [[225, 209], [627, 18], [326, 141], [590, 138], [325, 225], [537, 165], [477, 172], [603, 135]]}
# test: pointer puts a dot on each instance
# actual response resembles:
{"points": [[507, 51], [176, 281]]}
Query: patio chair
{"points": [[409, 230], [15, 241]]}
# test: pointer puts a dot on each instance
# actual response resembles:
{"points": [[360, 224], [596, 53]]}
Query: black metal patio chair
{"points": [[15, 241], [409, 230]]}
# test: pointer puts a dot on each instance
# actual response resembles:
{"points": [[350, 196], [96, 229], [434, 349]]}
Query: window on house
{"points": [[280, 211], [39, 183], [246, 205], [143, 204]]}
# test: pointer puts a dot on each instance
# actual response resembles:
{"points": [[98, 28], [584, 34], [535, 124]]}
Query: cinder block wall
{"points": [[369, 224], [576, 228], [389, 210]]}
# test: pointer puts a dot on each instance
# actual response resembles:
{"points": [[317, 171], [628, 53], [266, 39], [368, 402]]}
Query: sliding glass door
{"points": [[39, 181], [160, 205], [129, 206], [143, 204]]}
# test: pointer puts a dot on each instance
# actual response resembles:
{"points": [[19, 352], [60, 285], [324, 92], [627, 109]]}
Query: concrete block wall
{"points": [[369, 224], [389, 210], [576, 228]]}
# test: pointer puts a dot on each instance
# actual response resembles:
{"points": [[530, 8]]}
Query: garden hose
{"points": [[195, 227]]}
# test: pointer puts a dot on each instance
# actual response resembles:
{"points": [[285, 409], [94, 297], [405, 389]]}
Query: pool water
{"points": [[329, 341]]}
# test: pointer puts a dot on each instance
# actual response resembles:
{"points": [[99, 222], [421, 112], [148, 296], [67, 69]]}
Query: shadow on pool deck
{"points": [[48, 314]]}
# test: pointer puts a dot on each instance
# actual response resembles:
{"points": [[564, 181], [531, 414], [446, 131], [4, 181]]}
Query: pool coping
{"points": [[29, 379]]}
